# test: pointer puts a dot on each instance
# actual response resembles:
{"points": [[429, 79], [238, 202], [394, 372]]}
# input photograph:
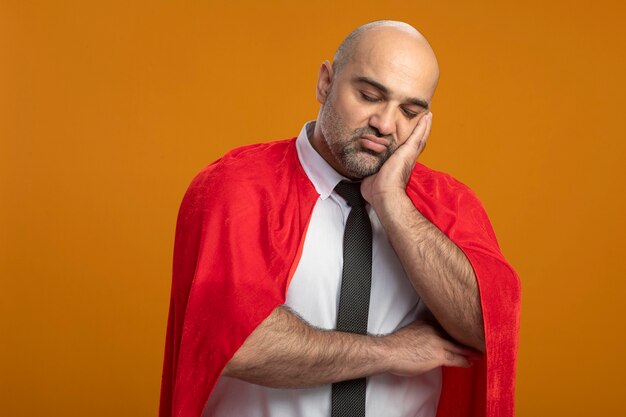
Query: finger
{"points": [[429, 125], [461, 350], [454, 359], [413, 142], [420, 128], [423, 140]]}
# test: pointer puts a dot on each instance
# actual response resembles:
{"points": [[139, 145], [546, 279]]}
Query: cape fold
{"points": [[239, 236]]}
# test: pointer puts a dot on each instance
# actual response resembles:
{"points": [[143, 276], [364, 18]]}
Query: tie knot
{"points": [[351, 192]]}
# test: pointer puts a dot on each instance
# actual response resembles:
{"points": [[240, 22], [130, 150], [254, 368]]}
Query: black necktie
{"points": [[348, 397]]}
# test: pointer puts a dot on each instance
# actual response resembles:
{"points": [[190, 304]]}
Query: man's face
{"points": [[359, 158], [372, 106]]}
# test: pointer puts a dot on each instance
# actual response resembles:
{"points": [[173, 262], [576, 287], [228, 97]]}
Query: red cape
{"points": [[239, 236]]}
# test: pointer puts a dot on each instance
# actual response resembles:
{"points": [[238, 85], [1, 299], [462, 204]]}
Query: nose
{"points": [[383, 120]]}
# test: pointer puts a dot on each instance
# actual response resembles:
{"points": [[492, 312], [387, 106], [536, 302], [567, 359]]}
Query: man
{"points": [[258, 263]]}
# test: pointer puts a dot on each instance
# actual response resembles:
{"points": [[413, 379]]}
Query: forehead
{"points": [[405, 66]]}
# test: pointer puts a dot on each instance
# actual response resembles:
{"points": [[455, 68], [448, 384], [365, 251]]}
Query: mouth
{"points": [[374, 143]]}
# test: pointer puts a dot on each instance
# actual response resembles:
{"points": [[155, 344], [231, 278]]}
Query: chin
{"points": [[362, 164]]}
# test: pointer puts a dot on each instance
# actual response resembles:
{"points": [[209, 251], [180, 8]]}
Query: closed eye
{"points": [[369, 98], [408, 113]]}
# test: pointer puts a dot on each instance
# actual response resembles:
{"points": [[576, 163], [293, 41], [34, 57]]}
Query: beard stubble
{"points": [[345, 146]]}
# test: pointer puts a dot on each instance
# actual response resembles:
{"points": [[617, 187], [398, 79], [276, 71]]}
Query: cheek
{"points": [[406, 128], [352, 111], [404, 131]]}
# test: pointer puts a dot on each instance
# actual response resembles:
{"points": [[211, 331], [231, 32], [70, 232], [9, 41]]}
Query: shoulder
{"points": [[437, 184], [446, 201], [248, 166], [243, 174], [250, 162]]}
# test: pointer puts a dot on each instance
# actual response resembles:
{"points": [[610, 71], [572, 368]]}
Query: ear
{"points": [[324, 82]]}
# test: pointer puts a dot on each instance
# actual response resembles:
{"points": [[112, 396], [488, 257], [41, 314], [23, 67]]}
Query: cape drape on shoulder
{"points": [[239, 235]]}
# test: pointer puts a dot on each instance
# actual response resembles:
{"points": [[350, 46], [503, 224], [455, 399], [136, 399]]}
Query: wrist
{"points": [[388, 345], [389, 200]]}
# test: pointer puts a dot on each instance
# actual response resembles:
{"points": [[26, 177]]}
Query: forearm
{"points": [[439, 271], [285, 351]]}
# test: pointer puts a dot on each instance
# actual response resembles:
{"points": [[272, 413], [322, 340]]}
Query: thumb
{"points": [[455, 359]]}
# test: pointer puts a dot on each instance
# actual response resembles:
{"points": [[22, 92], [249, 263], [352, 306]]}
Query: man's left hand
{"points": [[394, 175]]}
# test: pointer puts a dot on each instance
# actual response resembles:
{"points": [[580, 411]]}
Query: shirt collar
{"points": [[321, 174]]}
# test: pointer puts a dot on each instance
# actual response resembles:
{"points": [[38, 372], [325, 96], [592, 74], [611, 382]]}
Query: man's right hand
{"points": [[285, 351], [419, 347]]}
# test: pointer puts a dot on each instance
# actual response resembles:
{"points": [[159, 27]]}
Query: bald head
{"points": [[380, 85], [388, 39]]}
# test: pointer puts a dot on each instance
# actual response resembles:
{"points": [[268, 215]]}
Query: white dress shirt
{"points": [[314, 293]]}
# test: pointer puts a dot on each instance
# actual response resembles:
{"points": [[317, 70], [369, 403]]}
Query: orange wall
{"points": [[107, 110]]}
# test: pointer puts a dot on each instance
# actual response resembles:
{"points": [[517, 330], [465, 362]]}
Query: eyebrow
{"points": [[417, 101]]}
